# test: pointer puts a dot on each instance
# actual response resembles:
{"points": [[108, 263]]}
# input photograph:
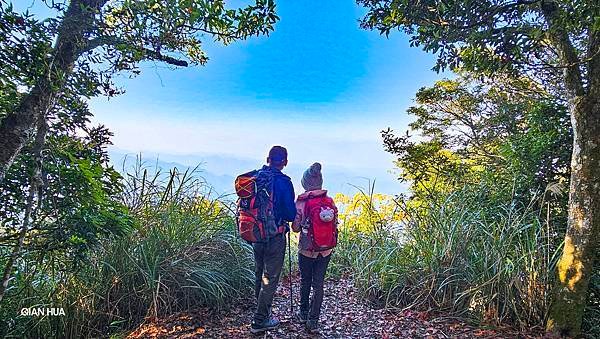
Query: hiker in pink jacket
{"points": [[316, 221]]}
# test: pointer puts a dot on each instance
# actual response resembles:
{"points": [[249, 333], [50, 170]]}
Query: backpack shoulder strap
{"points": [[306, 205]]}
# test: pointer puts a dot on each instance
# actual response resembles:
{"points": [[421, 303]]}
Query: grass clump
{"points": [[490, 262], [182, 253]]}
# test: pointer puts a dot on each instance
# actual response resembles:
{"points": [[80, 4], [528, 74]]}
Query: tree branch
{"points": [[150, 53], [494, 12], [566, 51], [593, 54], [232, 36], [154, 55]]}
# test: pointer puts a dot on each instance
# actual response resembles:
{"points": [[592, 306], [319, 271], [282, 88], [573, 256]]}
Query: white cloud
{"points": [[350, 145]]}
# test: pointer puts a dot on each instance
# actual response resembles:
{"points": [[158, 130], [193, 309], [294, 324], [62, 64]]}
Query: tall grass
{"points": [[183, 253], [491, 262], [591, 315]]}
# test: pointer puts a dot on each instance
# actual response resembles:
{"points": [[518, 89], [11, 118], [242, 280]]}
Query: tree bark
{"points": [[580, 247], [574, 269], [17, 127]]}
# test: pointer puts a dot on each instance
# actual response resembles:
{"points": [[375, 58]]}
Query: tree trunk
{"points": [[17, 127], [574, 269]]}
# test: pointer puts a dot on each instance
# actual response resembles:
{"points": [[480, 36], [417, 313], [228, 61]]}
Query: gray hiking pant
{"points": [[268, 260], [312, 275]]}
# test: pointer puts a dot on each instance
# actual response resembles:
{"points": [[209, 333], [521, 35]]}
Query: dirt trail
{"points": [[344, 315]]}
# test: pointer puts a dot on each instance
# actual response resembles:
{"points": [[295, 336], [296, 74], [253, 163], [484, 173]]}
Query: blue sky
{"points": [[319, 85]]}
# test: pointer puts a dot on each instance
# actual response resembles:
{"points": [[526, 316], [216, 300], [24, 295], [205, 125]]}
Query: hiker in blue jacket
{"points": [[269, 256]]}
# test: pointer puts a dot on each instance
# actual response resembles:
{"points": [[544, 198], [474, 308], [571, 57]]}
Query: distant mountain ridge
{"points": [[219, 171]]}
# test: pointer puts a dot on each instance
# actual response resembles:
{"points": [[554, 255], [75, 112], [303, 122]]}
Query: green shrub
{"points": [[183, 253]]}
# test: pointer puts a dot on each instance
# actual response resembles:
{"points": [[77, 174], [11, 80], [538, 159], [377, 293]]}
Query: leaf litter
{"points": [[344, 315]]}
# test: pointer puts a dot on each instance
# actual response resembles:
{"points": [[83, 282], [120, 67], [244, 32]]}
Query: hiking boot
{"points": [[312, 326], [270, 323], [301, 317]]}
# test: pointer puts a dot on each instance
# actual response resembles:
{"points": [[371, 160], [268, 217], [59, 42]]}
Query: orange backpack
{"points": [[255, 216]]}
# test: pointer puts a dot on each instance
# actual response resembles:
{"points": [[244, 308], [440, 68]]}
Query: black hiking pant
{"points": [[268, 260], [312, 274]]}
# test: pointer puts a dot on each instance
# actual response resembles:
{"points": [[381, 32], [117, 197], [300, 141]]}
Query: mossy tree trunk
{"points": [[575, 267], [580, 248]]}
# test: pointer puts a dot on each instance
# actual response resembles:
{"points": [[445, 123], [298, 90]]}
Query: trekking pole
{"points": [[290, 270]]}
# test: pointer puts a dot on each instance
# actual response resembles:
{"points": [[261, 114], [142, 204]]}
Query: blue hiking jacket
{"points": [[284, 206]]}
